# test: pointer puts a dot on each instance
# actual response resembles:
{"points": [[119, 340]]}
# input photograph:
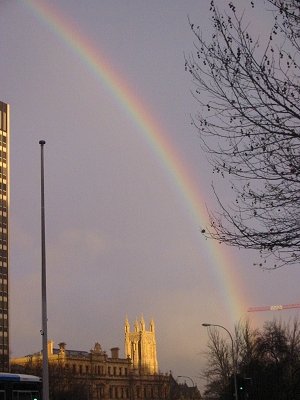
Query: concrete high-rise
{"points": [[4, 205]]}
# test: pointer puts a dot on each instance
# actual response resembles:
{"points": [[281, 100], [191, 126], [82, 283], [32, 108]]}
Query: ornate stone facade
{"points": [[140, 347], [100, 376]]}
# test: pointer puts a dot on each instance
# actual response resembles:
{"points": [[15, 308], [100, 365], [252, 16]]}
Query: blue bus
{"points": [[20, 387]]}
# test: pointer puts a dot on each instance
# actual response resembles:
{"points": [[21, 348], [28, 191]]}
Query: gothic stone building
{"points": [[100, 376], [140, 347]]}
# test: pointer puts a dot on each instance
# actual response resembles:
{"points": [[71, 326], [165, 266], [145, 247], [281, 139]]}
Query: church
{"points": [[140, 347], [96, 375]]}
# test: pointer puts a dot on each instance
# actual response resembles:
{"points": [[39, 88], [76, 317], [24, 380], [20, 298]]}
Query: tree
{"points": [[219, 365], [268, 365], [248, 94], [63, 383]]}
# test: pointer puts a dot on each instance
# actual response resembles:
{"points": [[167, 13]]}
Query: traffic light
{"points": [[240, 386], [243, 387]]}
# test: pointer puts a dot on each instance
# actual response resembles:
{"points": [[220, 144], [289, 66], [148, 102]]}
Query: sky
{"points": [[127, 186]]}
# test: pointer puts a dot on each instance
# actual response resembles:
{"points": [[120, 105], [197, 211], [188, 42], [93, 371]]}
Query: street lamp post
{"points": [[233, 356], [187, 377]]}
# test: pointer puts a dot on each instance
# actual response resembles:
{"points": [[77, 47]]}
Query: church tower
{"points": [[140, 346]]}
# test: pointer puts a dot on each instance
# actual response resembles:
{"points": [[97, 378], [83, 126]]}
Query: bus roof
{"points": [[6, 376]]}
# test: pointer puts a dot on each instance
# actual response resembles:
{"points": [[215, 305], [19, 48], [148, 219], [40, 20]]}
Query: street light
{"points": [[233, 355], [187, 377]]}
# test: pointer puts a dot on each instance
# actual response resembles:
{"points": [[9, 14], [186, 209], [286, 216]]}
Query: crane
{"points": [[278, 307]]}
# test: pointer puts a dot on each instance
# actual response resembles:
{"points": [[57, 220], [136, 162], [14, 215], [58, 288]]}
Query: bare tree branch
{"points": [[249, 126]]}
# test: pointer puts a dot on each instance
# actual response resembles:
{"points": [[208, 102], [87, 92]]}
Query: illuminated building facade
{"points": [[4, 202], [100, 376], [140, 346]]}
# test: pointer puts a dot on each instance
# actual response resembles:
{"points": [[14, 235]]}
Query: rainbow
{"points": [[170, 158]]}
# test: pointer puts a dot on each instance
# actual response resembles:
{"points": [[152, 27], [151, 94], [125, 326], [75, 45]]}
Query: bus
{"points": [[20, 387]]}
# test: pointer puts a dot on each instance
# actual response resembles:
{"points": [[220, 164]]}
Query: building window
{"points": [[4, 124]]}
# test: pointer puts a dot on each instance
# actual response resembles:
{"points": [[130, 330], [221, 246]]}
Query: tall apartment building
{"points": [[4, 203]]}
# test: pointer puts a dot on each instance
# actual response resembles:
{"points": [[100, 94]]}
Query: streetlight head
{"points": [[206, 324], [42, 142]]}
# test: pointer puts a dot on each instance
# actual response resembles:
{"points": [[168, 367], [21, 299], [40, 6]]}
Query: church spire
{"points": [[142, 322], [126, 326], [136, 325], [152, 326]]}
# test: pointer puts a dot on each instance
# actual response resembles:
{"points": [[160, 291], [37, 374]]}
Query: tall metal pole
{"points": [[234, 358], [45, 374]]}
